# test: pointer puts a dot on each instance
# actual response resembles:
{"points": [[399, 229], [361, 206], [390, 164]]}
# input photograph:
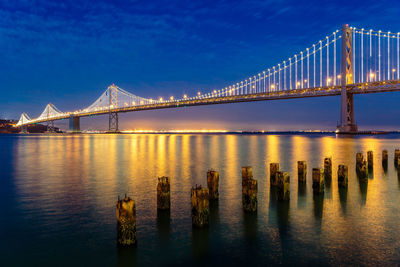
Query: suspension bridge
{"points": [[349, 61]]}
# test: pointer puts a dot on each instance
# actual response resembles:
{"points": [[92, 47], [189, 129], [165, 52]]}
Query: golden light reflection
{"points": [[62, 176], [273, 148]]}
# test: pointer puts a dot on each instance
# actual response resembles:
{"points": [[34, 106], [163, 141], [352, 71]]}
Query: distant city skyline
{"points": [[68, 54]]}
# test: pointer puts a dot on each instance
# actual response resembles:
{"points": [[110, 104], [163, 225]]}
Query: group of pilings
{"points": [[279, 183]]}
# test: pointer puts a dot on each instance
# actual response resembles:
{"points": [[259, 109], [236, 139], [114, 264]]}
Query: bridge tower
{"points": [[113, 104], [347, 122]]}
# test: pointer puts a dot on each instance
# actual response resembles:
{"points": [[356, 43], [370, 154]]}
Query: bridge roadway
{"points": [[360, 88]]}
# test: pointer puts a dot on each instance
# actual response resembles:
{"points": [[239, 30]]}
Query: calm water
{"points": [[58, 196]]}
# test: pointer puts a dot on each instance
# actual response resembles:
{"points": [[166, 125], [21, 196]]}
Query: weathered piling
{"points": [[385, 159], [283, 187], [362, 171], [302, 171], [247, 173], [396, 157], [200, 206], [213, 184], [343, 176], [249, 190], [370, 159], [328, 168], [273, 169], [163, 193], [318, 181], [126, 222], [359, 159], [361, 167]]}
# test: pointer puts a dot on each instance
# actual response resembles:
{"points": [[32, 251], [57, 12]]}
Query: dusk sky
{"points": [[68, 52]]}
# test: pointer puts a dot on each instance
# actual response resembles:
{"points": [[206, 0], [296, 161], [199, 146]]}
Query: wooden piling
{"points": [[361, 167], [396, 157], [302, 171], [328, 168], [318, 181], [370, 159], [249, 190], [359, 159], [362, 171], [343, 176], [213, 184], [247, 173], [273, 169], [283, 187], [163, 193], [126, 222], [385, 159], [200, 206]]}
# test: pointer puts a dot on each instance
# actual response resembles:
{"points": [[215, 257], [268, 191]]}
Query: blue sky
{"points": [[68, 52]]}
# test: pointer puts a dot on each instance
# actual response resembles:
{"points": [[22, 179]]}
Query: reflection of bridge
{"points": [[369, 63]]}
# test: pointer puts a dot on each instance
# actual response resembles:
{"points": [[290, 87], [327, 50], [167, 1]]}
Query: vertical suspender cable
{"points": [[314, 67], [370, 55], [290, 73], [362, 55], [320, 63], [327, 60], [264, 81], [354, 55], [269, 80], [279, 77], [301, 54], [274, 80], [398, 57], [379, 55], [388, 53], [308, 68], [295, 71], [284, 75], [334, 58]]}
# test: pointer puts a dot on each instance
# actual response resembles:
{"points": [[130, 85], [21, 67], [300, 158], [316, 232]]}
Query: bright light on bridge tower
{"points": [[347, 123]]}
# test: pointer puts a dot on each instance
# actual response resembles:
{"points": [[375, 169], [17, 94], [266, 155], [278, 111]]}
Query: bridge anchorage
{"points": [[367, 61]]}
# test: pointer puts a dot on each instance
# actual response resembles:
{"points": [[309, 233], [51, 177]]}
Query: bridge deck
{"points": [[361, 88]]}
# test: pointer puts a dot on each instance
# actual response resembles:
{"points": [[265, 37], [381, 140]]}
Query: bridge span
{"points": [[366, 61]]}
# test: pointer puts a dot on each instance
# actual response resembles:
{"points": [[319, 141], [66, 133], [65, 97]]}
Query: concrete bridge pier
{"points": [[24, 129], [74, 124]]}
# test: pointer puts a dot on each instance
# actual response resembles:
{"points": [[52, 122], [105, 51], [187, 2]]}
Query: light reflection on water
{"points": [[64, 190]]}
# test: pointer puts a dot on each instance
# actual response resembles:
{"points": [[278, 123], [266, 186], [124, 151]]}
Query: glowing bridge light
{"points": [[184, 96], [171, 98], [161, 99]]}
